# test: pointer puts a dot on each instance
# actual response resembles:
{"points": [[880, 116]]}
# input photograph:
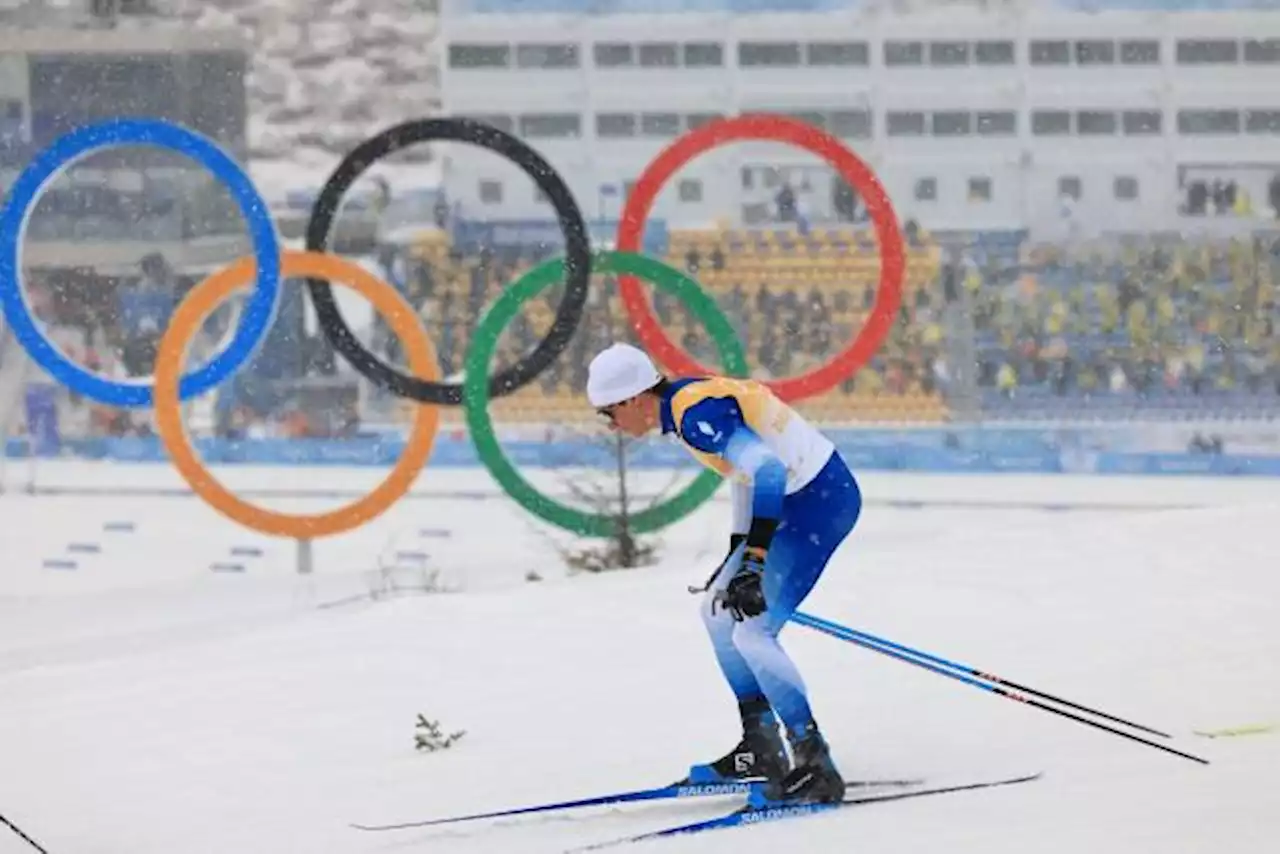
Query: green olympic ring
{"points": [[475, 392]]}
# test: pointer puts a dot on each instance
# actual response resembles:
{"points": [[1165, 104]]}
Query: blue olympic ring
{"points": [[256, 317]]}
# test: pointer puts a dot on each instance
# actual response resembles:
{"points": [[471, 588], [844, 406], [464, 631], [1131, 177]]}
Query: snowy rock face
{"points": [[327, 74]]}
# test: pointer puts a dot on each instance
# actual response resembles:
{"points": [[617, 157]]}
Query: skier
{"points": [[794, 501]]}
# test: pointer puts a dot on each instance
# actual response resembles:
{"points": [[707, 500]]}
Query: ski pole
{"points": [[838, 631], [809, 619], [22, 835]]}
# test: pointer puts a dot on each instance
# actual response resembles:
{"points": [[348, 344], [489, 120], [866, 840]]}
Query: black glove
{"points": [[735, 540], [744, 596]]}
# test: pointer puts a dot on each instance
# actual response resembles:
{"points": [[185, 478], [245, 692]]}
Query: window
{"points": [[690, 190], [1050, 53], [926, 189], [1262, 121], [994, 53], [479, 56], [660, 124], [817, 118], [1201, 122], [615, 125], [980, 189], [1096, 123], [774, 176], [903, 53], [1050, 122], [614, 55], [659, 55], [952, 123], [838, 53], [1208, 51], [1095, 53], [905, 124], [851, 124], [1125, 188], [1142, 122], [997, 123], [775, 54], [703, 54], [1140, 52], [496, 120], [70, 89], [697, 120], [551, 125], [491, 192], [1262, 51], [948, 53], [1071, 187], [547, 56]]}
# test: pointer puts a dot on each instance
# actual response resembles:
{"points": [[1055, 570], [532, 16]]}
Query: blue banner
{"points": [[458, 452], [42, 419]]}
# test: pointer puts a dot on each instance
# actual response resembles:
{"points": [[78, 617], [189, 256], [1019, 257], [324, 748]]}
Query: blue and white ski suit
{"points": [[783, 472]]}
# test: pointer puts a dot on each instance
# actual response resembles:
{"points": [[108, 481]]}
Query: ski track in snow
{"points": [[151, 706]]}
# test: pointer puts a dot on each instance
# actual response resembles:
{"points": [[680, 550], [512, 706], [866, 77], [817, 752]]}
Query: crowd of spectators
{"points": [[787, 327], [112, 325], [1126, 326], [1172, 324]]}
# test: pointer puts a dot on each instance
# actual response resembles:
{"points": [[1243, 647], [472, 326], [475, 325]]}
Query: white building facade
{"points": [[972, 120]]}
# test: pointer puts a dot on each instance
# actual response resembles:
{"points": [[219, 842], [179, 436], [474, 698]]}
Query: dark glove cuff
{"points": [[761, 533]]}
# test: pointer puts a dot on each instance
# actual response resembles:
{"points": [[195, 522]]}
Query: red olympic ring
{"points": [[768, 128]]}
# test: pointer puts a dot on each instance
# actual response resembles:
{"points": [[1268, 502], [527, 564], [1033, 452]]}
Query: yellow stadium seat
{"points": [[836, 263]]}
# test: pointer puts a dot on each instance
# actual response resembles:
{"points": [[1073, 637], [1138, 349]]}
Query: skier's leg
{"points": [[760, 752], [790, 572], [817, 519], [720, 626]]}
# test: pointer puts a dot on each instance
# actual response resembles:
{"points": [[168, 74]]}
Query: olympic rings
{"points": [[258, 313], [773, 129], [167, 389], [476, 392], [577, 254], [201, 302]]}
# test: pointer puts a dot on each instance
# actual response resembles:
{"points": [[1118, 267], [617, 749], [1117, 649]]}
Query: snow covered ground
{"points": [[149, 704]]}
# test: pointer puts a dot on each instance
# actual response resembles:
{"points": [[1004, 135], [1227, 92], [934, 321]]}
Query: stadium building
{"points": [[1013, 142], [1042, 118]]}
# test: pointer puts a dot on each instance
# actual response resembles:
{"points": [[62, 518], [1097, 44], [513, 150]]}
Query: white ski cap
{"points": [[619, 373]]}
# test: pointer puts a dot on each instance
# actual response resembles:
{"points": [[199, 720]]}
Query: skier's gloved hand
{"points": [[735, 540], [744, 596]]}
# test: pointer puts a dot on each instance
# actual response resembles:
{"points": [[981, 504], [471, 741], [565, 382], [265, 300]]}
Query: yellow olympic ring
{"points": [[172, 355]]}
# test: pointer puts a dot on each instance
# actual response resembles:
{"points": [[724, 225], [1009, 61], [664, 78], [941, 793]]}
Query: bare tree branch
{"points": [[598, 501], [674, 480]]}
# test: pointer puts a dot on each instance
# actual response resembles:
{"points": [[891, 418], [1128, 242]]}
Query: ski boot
{"points": [[760, 756], [813, 780]]}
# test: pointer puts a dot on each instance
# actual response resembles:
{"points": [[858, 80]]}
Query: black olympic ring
{"points": [[577, 251]]}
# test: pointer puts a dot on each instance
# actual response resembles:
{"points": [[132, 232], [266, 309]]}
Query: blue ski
{"points": [[752, 815], [677, 790], [673, 792]]}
